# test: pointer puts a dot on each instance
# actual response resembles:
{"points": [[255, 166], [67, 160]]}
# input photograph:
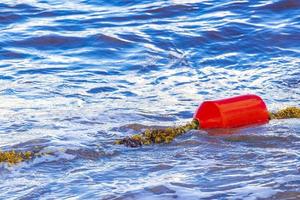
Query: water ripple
{"points": [[75, 75]]}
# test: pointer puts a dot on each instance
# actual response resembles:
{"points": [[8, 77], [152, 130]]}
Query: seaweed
{"points": [[167, 135], [148, 137], [157, 136], [13, 157], [286, 113]]}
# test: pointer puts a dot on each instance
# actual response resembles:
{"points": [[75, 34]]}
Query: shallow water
{"points": [[75, 75]]}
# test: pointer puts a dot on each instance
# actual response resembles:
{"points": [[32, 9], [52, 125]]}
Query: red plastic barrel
{"points": [[232, 112]]}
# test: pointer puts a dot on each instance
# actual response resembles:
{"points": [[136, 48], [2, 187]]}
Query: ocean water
{"points": [[76, 75]]}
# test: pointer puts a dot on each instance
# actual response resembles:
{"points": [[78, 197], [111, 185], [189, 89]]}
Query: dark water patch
{"points": [[293, 195], [41, 71], [187, 41], [160, 189], [141, 68], [105, 72], [89, 122], [114, 97], [126, 82], [234, 30], [8, 18], [214, 35], [69, 22], [79, 81], [6, 54], [279, 39], [3, 5], [293, 82], [2, 77], [101, 90], [186, 185], [271, 42], [58, 13], [183, 83], [8, 91], [97, 22], [160, 80], [129, 94], [35, 145], [131, 20], [73, 28], [75, 119], [172, 10], [51, 42], [282, 5], [263, 141], [160, 167]]}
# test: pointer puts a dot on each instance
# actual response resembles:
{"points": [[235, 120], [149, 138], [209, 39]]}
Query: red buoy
{"points": [[232, 112]]}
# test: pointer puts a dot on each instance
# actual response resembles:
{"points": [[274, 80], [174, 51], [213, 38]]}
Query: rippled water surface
{"points": [[75, 75]]}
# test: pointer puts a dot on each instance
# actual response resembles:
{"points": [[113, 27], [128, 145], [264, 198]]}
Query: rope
{"points": [[157, 136], [148, 137], [167, 135]]}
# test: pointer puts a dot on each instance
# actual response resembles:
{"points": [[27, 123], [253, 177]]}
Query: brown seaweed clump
{"points": [[13, 157], [157, 136], [286, 113]]}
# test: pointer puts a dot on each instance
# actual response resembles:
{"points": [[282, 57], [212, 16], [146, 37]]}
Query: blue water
{"points": [[75, 75]]}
